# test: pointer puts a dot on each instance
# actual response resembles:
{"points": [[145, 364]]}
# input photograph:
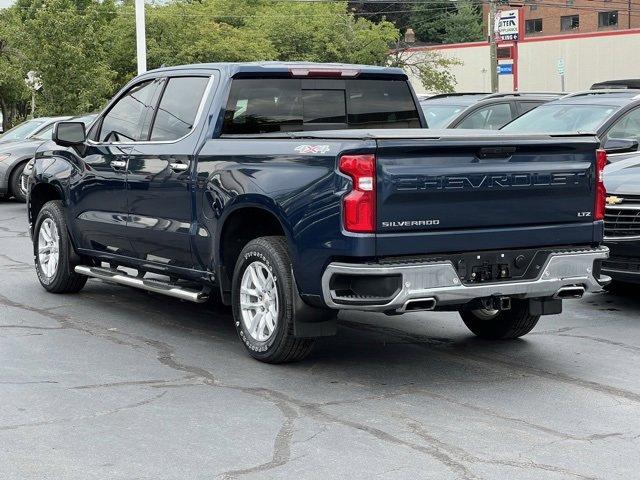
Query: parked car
{"points": [[440, 109], [480, 111], [30, 128], [622, 220], [613, 115], [296, 190], [28, 148], [633, 84], [14, 160], [496, 110]]}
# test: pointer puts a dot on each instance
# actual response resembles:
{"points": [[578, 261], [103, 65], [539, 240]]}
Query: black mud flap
{"points": [[312, 322]]}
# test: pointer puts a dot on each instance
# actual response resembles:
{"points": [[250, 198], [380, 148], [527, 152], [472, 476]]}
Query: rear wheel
{"points": [[53, 251], [14, 183], [263, 302], [501, 325]]}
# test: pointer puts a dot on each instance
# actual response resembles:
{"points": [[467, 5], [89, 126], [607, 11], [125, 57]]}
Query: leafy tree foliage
{"points": [[84, 50], [438, 21]]}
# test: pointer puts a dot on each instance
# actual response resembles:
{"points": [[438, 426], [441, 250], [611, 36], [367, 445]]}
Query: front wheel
{"points": [[263, 300], [53, 251], [501, 325], [15, 183]]}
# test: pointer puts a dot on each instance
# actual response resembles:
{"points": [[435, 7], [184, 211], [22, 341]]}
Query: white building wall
{"points": [[588, 59]]}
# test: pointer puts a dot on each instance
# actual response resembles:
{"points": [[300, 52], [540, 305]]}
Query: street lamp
{"points": [[34, 83]]}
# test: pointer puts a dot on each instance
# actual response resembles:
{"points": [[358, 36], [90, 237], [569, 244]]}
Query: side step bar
{"points": [[156, 286]]}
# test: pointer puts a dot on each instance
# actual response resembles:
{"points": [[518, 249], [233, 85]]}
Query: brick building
{"points": [[557, 17]]}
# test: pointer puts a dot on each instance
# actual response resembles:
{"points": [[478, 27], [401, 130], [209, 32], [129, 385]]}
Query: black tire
{"points": [[281, 346], [504, 325], [14, 183], [64, 280]]}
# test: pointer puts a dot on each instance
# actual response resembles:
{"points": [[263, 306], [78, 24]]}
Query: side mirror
{"points": [[620, 145], [69, 134]]}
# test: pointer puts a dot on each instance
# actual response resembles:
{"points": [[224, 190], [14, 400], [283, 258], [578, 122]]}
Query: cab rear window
{"points": [[259, 105]]}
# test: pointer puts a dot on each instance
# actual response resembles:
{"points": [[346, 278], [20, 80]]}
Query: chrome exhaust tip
{"points": [[573, 291], [419, 305]]}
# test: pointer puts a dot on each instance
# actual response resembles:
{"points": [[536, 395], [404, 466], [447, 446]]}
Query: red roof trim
{"points": [[547, 38]]}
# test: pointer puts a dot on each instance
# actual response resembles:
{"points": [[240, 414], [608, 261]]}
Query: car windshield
{"points": [[561, 118], [24, 130], [439, 116], [44, 134]]}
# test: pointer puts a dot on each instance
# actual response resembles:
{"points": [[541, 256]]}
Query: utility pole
{"points": [[493, 47], [141, 41]]}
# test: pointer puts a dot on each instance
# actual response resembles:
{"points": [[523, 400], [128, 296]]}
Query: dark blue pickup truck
{"points": [[292, 191]]}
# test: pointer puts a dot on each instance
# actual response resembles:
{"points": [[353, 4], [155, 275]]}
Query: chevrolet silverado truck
{"points": [[292, 191]]}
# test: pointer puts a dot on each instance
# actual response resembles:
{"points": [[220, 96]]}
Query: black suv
{"points": [[483, 111]]}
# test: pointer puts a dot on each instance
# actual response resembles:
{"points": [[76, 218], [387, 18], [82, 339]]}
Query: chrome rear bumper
{"points": [[439, 281]]}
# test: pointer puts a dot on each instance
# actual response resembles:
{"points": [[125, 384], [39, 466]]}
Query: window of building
{"points": [[570, 22], [569, 3], [533, 25], [608, 19]]}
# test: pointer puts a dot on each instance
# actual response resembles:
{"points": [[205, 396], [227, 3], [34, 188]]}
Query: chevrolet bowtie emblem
{"points": [[613, 200]]}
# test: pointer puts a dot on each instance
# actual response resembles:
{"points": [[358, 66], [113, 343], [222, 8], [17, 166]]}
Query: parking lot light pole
{"points": [[493, 46], [141, 42]]}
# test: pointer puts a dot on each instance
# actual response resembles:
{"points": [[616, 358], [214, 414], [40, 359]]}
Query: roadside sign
{"points": [[505, 69], [506, 25], [560, 66]]}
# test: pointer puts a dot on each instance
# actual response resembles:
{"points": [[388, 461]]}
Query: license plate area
{"points": [[499, 266]]}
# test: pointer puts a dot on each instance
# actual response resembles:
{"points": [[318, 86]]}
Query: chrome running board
{"points": [[156, 286]]}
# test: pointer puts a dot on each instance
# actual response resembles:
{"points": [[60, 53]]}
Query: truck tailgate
{"points": [[502, 185]]}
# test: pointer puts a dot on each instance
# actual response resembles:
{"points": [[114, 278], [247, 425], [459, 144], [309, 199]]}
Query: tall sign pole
{"points": [[493, 47], [141, 41]]}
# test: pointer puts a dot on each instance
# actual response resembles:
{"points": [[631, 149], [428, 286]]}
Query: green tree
{"points": [[14, 94], [465, 24], [436, 21], [64, 45]]}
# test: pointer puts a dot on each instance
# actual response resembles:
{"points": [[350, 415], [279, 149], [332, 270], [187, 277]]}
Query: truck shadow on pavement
{"points": [[372, 349]]}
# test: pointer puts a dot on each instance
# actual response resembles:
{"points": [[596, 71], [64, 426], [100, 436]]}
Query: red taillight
{"points": [[359, 205], [601, 193]]}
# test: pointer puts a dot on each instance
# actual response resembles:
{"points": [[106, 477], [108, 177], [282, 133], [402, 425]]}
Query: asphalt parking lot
{"points": [[114, 383]]}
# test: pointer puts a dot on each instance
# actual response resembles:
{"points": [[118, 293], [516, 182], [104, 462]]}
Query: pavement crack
{"points": [[113, 411], [464, 457]]}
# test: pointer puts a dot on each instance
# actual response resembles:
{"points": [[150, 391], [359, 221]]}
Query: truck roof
{"points": [[232, 68]]}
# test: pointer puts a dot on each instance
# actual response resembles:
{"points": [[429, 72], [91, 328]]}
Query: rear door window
{"points": [[285, 105], [491, 117], [627, 126], [178, 108]]}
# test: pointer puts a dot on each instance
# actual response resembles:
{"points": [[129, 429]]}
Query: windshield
{"points": [[561, 118], [22, 131], [44, 134], [439, 116]]}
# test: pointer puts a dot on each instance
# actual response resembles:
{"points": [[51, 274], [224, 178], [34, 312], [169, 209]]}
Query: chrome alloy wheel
{"points": [[259, 301], [48, 247]]}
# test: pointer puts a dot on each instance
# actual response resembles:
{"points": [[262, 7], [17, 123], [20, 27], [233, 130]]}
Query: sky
{"points": [[6, 3]]}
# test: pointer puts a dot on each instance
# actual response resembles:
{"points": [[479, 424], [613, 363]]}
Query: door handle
{"points": [[118, 164], [179, 167]]}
